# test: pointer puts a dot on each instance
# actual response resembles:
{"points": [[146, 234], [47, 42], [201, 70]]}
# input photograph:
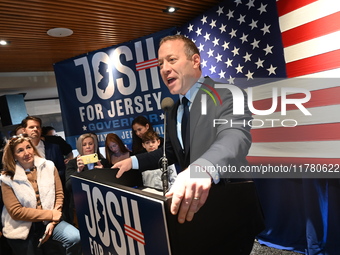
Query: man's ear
{"points": [[197, 60], [143, 145]]}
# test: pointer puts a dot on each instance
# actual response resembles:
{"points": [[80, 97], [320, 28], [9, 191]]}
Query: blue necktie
{"points": [[185, 119]]}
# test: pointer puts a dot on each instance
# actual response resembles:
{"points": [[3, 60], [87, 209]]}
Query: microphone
{"points": [[166, 104]]}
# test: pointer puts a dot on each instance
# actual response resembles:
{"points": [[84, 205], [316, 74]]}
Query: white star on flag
{"points": [[259, 40]]}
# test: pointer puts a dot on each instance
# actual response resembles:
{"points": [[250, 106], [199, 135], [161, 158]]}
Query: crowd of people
{"points": [[37, 155], [34, 162], [32, 195]]}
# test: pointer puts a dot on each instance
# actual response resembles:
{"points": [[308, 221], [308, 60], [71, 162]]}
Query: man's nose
{"points": [[166, 67]]}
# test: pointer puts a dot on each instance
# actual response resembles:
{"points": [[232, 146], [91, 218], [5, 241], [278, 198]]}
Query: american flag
{"points": [[257, 43]]}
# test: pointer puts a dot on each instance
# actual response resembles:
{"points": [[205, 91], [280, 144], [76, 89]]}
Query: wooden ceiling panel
{"points": [[96, 24]]}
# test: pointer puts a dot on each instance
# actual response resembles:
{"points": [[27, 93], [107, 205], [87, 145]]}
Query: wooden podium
{"points": [[115, 216]]}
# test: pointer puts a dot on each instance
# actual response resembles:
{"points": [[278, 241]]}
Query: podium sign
{"points": [[115, 219]]}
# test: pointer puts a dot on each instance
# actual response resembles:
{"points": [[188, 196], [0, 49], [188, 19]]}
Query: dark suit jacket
{"points": [[222, 145], [53, 153], [241, 219], [64, 146]]}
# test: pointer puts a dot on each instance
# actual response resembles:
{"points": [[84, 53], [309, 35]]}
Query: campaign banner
{"points": [[113, 220], [103, 91]]}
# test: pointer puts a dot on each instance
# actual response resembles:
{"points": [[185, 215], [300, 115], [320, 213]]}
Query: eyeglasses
{"points": [[18, 138]]}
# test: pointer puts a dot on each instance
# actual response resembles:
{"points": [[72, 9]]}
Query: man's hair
{"points": [[14, 132], [25, 120], [150, 135], [46, 129], [190, 46]]}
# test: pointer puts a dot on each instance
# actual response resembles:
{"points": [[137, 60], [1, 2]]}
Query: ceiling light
{"points": [[170, 9], [3, 42], [59, 32]]}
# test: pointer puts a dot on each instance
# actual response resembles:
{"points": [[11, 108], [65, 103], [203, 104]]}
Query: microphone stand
{"points": [[164, 163]]}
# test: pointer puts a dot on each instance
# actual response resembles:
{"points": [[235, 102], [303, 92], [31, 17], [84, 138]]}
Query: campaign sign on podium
{"points": [[116, 219]]}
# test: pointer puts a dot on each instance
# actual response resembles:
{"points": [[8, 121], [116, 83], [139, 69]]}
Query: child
{"points": [[153, 178], [115, 149]]}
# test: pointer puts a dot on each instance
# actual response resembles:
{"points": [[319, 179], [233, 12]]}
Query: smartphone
{"points": [[91, 158], [42, 238]]}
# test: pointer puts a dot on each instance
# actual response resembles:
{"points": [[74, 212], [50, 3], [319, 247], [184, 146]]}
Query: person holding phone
{"points": [[87, 145], [33, 197]]}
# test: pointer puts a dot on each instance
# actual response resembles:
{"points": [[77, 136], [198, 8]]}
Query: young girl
{"points": [[115, 150]]}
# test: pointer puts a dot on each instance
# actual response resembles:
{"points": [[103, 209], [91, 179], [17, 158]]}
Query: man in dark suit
{"points": [[202, 154], [48, 134]]}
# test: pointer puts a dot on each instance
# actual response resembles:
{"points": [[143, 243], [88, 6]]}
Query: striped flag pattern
{"points": [[256, 43], [311, 40]]}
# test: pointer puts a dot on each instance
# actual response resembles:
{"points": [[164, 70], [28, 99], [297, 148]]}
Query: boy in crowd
{"points": [[153, 178]]}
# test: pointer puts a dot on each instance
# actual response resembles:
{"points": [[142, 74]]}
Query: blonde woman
{"points": [[86, 144]]}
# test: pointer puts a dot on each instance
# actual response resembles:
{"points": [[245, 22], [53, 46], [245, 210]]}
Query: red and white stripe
{"points": [[311, 39], [134, 234], [147, 64]]}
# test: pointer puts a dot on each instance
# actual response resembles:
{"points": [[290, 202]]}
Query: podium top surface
{"points": [[130, 181]]}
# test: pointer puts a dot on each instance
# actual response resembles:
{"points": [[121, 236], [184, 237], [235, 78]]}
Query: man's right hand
{"points": [[124, 166], [188, 195]]}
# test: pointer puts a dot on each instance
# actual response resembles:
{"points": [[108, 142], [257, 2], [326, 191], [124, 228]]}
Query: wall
{"points": [[48, 110]]}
